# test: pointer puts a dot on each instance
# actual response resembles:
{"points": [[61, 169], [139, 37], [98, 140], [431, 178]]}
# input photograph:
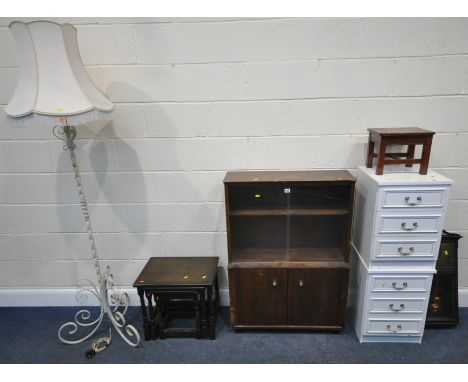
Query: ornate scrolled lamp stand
{"points": [[105, 291]]}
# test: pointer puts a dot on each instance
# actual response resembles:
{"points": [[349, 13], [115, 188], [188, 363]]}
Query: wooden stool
{"points": [[410, 136]]}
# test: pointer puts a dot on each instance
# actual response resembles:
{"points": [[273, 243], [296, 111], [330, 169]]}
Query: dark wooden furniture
{"points": [[176, 287], [288, 246], [411, 136], [443, 303]]}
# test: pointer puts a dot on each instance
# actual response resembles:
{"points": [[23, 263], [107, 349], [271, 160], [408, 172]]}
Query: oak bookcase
{"points": [[288, 248]]}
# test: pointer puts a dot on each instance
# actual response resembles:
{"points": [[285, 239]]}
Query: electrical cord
{"points": [[99, 345]]}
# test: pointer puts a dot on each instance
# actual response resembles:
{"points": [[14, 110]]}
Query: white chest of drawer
{"points": [[389, 305], [383, 215], [398, 222]]}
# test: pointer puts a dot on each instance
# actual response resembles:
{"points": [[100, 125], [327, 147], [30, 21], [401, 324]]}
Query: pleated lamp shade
{"points": [[53, 84]]}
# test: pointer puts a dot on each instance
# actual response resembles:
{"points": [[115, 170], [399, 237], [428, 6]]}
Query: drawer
{"points": [[400, 283], [404, 249], [413, 198], [408, 224], [395, 327], [396, 306]]}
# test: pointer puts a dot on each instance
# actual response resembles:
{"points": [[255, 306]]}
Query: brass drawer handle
{"points": [[403, 226], [301, 283], [392, 307], [400, 251], [418, 201], [274, 284], [396, 329], [404, 286]]}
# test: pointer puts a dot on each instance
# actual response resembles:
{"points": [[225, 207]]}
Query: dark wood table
{"points": [[179, 287], [411, 136]]}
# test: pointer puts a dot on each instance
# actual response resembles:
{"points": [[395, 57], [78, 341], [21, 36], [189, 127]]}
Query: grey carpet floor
{"points": [[29, 335]]}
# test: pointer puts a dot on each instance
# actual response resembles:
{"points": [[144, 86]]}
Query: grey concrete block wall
{"points": [[197, 97]]}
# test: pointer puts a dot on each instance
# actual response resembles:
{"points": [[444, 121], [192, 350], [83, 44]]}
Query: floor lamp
{"points": [[55, 91]]}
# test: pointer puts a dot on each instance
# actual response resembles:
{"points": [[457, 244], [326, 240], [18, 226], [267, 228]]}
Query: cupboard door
{"points": [[447, 258], [317, 297], [443, 301], [258, 296]]}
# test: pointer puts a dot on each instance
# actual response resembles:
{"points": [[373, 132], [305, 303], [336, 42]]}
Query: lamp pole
{"points": [[105, 291]]}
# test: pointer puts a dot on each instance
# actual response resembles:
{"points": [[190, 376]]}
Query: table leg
{"points": [[204, 312], [198, 303], [426, 152], [410, 155], [370, 152], [211, 314], [163, 317], [218, 300], [381, 157], [144, 313], [153, 331]]}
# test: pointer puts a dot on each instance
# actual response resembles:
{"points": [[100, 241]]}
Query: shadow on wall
{"points": [[110, 194], [106, 190], [359, 152], [122, 211]]}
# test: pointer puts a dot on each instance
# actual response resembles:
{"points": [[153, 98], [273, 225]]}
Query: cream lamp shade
{"points": [[53, 84]]}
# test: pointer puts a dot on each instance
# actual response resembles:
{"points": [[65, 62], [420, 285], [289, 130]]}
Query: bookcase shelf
{"points": [[305, 257], [293, 212]]}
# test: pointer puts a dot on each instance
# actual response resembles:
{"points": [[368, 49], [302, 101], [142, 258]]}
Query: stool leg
{"points": [[426, 152], [410, 155], [144, 313], [381, 157], [370, 153]]}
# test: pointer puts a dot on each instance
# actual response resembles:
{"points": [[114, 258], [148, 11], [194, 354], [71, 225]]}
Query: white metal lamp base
{"points": [[117, 308], [115, 313]]}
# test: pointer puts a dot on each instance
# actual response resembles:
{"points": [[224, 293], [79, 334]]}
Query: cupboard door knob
{"points": [[301, 284], [274, 283], [404, 286], [418, 201], [400, 251], [394, 330], [403, 226], [392, 307]]}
